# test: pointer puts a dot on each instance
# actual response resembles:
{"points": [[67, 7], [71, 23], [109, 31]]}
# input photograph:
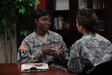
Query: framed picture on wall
{"points": [[82, 4], [62, 5]]}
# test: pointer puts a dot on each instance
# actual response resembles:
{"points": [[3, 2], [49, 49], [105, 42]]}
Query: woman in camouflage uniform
{"points": [[92, 45], [43, 45]]}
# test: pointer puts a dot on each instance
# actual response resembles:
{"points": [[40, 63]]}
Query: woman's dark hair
{"points": [[40, 12], [87, 18]]}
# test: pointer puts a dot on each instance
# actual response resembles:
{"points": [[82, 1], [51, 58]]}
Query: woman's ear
{"points": [[82, 27], [35, 20]]}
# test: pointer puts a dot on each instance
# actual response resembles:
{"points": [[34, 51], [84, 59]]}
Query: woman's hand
{"points": [[59, 52], [48, 50]]}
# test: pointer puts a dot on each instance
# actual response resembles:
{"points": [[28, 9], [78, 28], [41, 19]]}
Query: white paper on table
{"points": [[38, 66]]}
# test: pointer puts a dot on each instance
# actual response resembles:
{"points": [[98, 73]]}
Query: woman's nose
{"points": [[48, 22]]}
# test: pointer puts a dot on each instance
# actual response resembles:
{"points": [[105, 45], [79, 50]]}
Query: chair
{"points": [[102, 69]]}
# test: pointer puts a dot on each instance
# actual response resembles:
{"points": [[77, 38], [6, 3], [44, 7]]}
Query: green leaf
{"points": [[37, 2], [22, 10], [30, 4], [25, 32], [4, 22]]}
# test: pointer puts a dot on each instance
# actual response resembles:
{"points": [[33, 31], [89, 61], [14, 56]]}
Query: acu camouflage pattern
{"points": [[94, 47], [32, 48]]}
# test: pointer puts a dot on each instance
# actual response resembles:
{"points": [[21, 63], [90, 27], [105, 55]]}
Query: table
{"points": [[14, 69]]}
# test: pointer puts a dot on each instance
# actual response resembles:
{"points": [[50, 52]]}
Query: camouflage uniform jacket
{"points": [[32, 46], [94, 47]]}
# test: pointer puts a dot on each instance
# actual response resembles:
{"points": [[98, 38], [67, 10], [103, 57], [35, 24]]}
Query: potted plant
{"points": [[9, 10]]}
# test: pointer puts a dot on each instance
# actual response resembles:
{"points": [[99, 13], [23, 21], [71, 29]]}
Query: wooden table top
{"points": [[14, 69]]}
